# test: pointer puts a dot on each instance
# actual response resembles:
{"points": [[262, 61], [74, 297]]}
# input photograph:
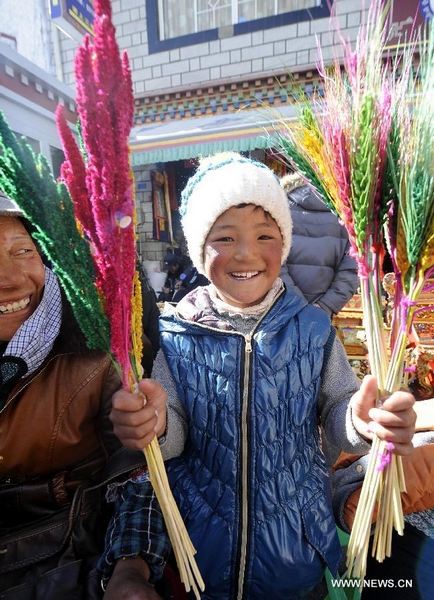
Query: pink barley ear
{"points": [[98, 176], [385, 457]]}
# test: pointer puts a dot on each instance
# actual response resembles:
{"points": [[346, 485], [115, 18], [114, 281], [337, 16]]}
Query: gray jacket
{"points": [[318, 264]]}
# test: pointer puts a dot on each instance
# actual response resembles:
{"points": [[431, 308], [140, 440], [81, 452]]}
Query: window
{"points": [[176, 23], [183, 17], [10, 40], [57, 159], [35, 145]]}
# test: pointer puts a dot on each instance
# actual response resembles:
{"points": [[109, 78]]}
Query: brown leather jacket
{"points": [[56, 440], [58, 417], [348, 476]]}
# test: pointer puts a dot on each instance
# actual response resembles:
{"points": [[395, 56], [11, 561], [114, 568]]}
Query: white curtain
{"points": [[182, 17], [177, 17], [290, 5]]}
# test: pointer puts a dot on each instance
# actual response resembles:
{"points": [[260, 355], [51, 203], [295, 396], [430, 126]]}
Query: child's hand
{"points": [[138, 418], [393, 422]]}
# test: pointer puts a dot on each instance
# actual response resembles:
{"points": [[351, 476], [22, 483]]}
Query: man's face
{"points": [[174, 267], [22, 277]]}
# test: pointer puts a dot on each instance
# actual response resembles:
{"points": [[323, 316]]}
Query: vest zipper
{"points": [[244, 508]]}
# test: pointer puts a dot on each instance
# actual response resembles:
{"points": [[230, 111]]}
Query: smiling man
{"points": [[57, 447], [22, 273]]}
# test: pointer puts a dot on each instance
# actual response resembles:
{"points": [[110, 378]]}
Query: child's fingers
{"points": [[396, 427], [400, 437], [135, 429], [400, 419], [398, 401], [126, 401]]}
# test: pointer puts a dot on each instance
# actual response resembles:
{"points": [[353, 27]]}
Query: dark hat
{"points": [[8, 208], [171, 259]]}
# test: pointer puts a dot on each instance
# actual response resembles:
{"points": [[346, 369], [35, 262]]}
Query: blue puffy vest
{"points": [[251, 483]]}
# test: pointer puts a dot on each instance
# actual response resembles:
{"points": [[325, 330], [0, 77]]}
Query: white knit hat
{"points": [[225, 180]]}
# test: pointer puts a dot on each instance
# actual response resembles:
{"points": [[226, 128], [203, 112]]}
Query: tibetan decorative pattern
{"points": [[227, 97]]}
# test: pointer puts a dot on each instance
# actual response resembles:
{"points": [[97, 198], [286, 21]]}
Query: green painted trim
{"points": [[183, 152]]}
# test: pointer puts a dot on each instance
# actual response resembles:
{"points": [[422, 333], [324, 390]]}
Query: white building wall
{"points": [[28, 22], [148, 249], [28, 97], [288, 48], [26, 119]]}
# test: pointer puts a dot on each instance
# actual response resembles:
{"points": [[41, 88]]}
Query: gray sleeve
{"points": [[285, 276], [173, 441], [288, 280], [343, 286], [344, 482], [339, 383]]}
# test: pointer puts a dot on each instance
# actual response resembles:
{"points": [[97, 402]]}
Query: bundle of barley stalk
{"points": [[408, 188], [366, 148], [86, 226], [100, 182]]}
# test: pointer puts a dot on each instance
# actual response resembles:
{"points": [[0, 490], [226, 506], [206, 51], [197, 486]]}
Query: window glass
{"points": [[184, 17], [57, 158], [35, 145]]}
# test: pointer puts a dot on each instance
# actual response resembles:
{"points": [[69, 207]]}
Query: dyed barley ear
{"points": [[373, 154], [99, 178], [362, 159], [401, 256]]}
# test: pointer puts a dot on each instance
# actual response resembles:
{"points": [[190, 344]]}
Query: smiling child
{"points": [[251, 372]]}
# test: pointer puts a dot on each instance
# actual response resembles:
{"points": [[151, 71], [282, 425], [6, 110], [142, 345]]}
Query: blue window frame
{"points": [[158, 45]]}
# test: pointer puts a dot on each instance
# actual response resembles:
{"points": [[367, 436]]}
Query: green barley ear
{"points": [[415, 173]]}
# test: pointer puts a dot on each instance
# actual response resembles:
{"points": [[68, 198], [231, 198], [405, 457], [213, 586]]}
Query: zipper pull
{"points": [[248, 339]]}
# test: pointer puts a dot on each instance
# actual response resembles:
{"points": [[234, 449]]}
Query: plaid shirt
{"points": [[136, 529]]}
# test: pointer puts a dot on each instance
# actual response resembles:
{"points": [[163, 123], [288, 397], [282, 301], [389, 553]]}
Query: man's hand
{"points": [[130, 581], [392, 420], [138, 418]]}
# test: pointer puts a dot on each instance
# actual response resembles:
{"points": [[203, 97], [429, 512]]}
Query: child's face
{"points": [[243, 253]]}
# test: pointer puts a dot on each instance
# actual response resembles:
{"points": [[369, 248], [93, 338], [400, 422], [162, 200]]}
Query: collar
{"points": [[256, 310], [35, 338]]}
